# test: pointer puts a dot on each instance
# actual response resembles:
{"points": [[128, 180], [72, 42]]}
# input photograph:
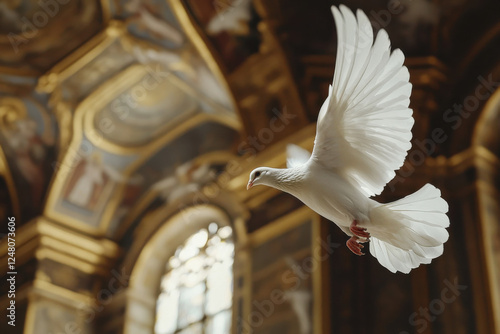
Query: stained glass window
{"points": [[197, 287]]}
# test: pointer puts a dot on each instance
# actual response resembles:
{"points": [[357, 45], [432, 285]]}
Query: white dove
{"points": [[363, 135]]}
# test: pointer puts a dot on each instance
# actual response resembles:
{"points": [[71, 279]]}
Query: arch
{"points": [[487, 129], [149, 267], [476, 81], [486, 138], [6, 174]]}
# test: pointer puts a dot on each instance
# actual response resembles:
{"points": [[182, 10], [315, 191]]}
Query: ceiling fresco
{"points": [[28, 27], [112, 107], [230, 27], [27, 137], [125, 79]]}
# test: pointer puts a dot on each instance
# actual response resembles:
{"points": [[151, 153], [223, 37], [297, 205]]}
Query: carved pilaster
{"points": [[59, 275]]}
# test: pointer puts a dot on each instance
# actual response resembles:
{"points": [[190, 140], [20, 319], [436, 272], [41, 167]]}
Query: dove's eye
{"points": [[257, 174]]}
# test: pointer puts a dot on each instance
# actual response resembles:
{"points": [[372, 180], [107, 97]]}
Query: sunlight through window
{"points": [[197, 288]]}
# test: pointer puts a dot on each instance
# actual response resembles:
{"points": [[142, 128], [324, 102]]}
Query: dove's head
{"points": [[284, 179], [261, 175]]}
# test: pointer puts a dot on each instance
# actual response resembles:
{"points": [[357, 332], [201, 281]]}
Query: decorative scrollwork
{"points": [[11, 110]]}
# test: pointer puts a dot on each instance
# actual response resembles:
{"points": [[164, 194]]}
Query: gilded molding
{"points": [[153, 252], [491, 108], [42, 239], [79, 58], [106, 10], [479, 46], [84, 115], [43, 290], [279, 227], [202, 44], [86, 111], [147, 199], [7, 175]]}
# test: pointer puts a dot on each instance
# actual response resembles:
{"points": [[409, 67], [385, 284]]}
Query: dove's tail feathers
{"points": [[412, 230]]}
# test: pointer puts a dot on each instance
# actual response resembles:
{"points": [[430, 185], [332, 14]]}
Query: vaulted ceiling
{"points": [[133, 87]]}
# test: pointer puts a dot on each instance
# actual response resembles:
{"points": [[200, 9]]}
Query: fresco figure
{"points": [[90, 178]]}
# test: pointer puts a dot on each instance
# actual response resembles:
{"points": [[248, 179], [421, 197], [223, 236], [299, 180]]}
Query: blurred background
{"points": [[127, 133]]}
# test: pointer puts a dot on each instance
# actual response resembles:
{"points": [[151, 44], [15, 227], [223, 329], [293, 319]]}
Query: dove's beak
{"points": [[249, 185]]}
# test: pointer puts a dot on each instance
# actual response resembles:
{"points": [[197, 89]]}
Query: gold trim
{"points": [[23, 254], [210, 213], [485, 247], [145, 153], [29, 323], [46, 239], [487, 188], [140, 288], [77, 60], [488, 164], [264, 195], [94, 103], [231, 117], [106, 11], [486, 159], [150, 195], [12, 109], [320, 304], [29, 73], [22, 295], [240, 231], [80, 57], [59, 294], [214, 157], [87, 110], [167, 213], [478, 47], [70, 261], [482, 122], [101, 247], [43, 290], [9, 181], [282, 225], [202, 44], [191, 123], [475, 156], [71, 249]]}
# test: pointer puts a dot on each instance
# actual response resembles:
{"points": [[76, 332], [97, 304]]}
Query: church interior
{"points": [[128, 129]]}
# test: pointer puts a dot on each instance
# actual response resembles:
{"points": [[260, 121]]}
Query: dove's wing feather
{"points": [[296, 155], [364, 126]]}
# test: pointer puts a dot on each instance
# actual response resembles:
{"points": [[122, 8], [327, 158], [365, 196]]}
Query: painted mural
{"points": [[28, 134], [27, 28]]}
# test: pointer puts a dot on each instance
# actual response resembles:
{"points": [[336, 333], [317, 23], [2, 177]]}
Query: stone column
{"points": [[59, 275]]}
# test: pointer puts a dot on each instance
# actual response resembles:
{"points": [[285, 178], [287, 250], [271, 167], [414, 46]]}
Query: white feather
{"points": [[364, 126], [296, 155]]}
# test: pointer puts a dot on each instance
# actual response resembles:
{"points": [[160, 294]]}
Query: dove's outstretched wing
{"points": [[296, 155], [364, 126]]}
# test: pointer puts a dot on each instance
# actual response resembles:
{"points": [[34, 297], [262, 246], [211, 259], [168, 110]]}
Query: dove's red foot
{"points": [[355, 246], [358, 231]]}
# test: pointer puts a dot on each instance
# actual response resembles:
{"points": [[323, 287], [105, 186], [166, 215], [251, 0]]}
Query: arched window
{"points": [[197, 287]]}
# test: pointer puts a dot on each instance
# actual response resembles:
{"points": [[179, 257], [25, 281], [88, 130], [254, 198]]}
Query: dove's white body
{"points": [[363, 135], [404, 233], [328, 194]]}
